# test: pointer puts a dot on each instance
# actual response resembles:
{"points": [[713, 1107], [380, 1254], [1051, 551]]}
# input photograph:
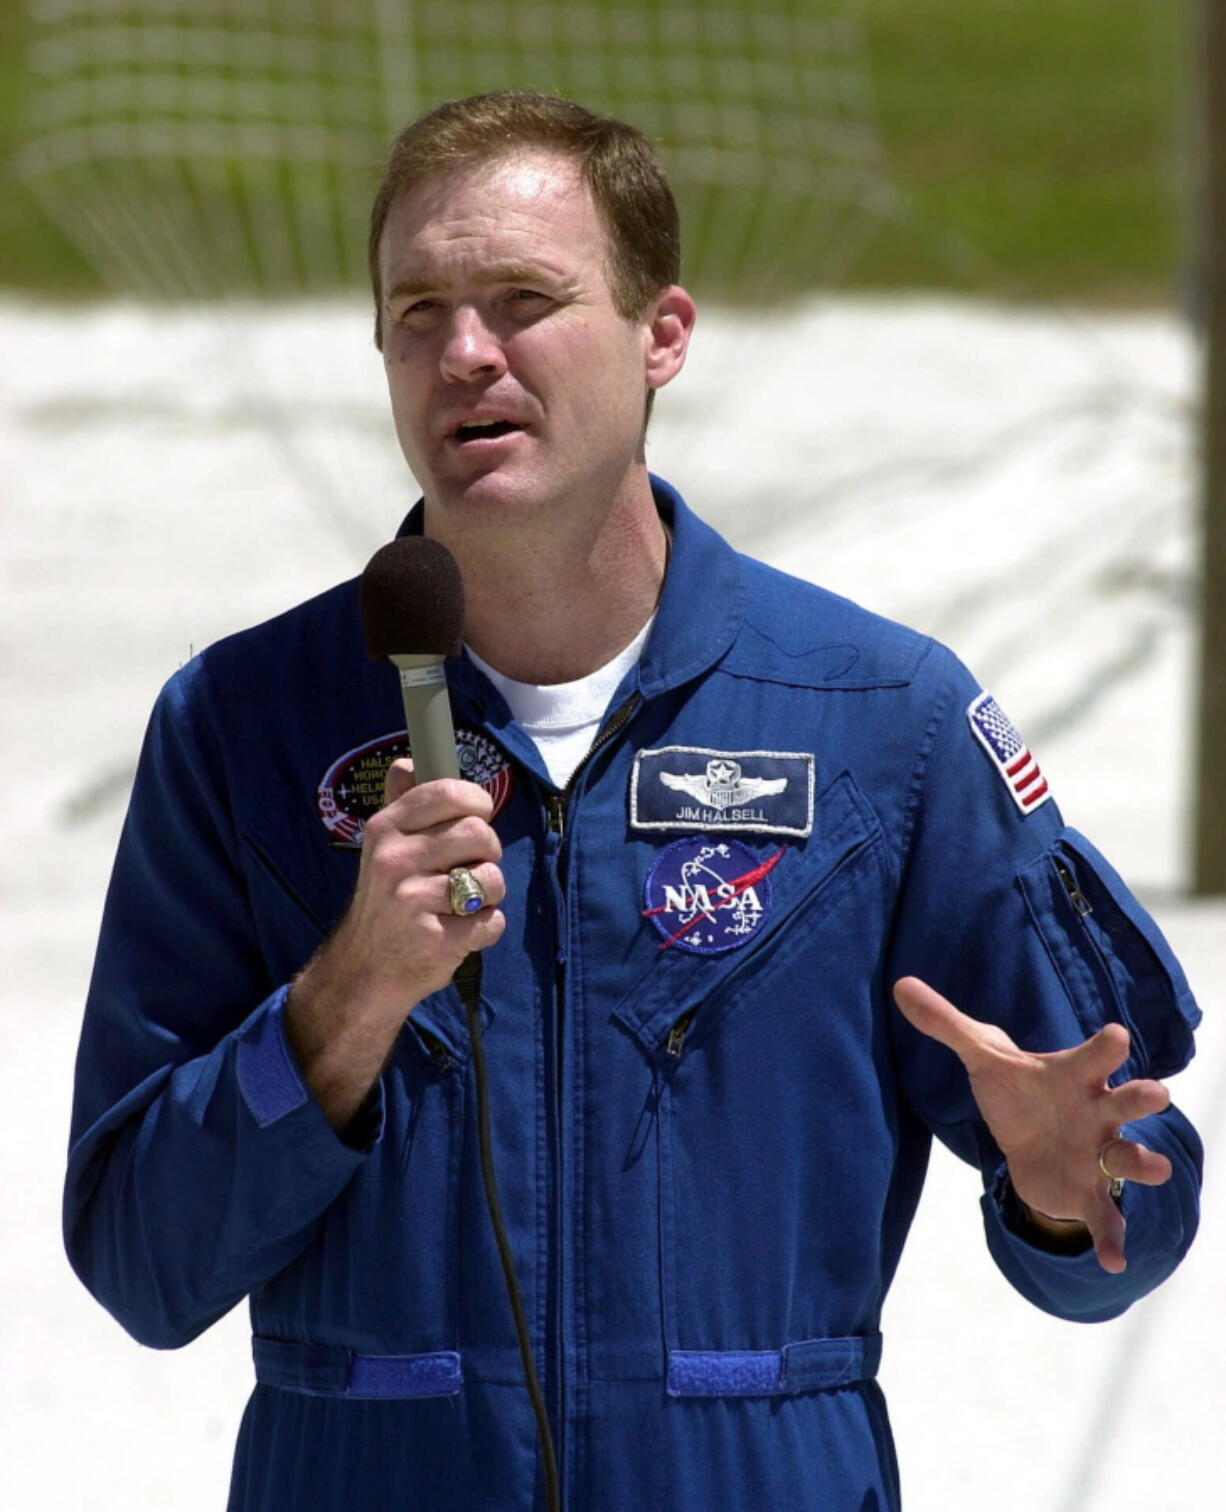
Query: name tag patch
{"points": [[351, 790], [708, 895], [696, 788]]}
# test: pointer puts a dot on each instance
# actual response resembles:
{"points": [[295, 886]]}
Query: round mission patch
{"points": [[351, 790], [708, 895]]}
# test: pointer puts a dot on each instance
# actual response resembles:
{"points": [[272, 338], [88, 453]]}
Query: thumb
{"points": [[926, 1010], [1106, 1051], [399, 780]]}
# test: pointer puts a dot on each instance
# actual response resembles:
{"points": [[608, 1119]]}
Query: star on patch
{"points": [[1009, 753]]}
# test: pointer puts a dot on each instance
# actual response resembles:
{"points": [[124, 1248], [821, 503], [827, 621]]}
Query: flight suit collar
{"points": [[701, 606]]}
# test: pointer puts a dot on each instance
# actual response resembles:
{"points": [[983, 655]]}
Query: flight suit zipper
{"points": [[556, 805]]}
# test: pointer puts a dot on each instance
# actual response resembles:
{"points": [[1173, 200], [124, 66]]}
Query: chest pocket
{"points": [[775, 1141], [677, 985], [1111, 956], [298, 892]]}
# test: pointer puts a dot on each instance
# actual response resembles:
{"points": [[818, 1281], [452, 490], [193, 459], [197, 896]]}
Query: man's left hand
{"points": [[1052, 1114]]}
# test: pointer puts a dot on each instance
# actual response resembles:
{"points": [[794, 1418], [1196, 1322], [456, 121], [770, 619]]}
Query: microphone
{"points": [[412, 602]]}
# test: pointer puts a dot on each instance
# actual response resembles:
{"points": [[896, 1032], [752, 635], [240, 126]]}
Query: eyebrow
{"points": [[508, 273]]}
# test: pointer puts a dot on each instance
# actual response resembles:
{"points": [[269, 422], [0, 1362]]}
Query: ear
{"points": [[666, 335]]}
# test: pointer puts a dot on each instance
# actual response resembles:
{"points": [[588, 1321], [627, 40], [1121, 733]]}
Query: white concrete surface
{"points": [[1021, 483]]}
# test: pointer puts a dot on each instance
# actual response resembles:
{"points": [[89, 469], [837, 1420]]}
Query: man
{"points": [[723, 820]]}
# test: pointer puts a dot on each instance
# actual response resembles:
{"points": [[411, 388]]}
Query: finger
{"points": [[428, 803], [398, 780], [926, 1010], [461, 842], [1129, 1161], [475, 932], [487, 875], [1107, 1228], [1104, 1052], [1136, 1099], [413, 866]]}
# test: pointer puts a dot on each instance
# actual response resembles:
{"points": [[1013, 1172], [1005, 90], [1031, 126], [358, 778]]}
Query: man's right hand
{"points": [[398, 940]]}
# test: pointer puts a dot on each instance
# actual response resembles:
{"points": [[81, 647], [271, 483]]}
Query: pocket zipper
{"points": [[1077, 898], [1109, 988], [434, 1048], [676, 1035]]}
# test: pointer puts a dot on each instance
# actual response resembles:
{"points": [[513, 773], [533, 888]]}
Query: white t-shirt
{"points": [[563, 718]]}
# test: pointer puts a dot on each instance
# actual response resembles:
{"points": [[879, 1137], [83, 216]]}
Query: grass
{"points": [[1044, 135], [1032, 144], [33, 254]]}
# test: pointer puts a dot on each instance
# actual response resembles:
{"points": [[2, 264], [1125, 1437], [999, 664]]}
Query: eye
{"points": [[528, 298], [416, 312]]}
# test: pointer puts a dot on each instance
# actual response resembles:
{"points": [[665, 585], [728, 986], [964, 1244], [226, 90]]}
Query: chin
{"points": [[496, 489]]}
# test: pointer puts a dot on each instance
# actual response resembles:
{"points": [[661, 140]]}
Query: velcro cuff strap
{"points": [[331, 1370], [807, 1365], [268, 1075]]}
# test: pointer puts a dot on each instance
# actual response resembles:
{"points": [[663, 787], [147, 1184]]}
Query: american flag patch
{"points": [[1010, 754]]}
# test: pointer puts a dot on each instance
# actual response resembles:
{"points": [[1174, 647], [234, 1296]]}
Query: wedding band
{"points": [[467, 894], [1115, 1184]]}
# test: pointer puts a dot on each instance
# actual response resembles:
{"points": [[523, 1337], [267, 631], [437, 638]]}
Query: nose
{"points": [[472, 349]]}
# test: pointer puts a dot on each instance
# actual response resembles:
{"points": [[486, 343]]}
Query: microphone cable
{"points": [[412, 604], [468, 981]]}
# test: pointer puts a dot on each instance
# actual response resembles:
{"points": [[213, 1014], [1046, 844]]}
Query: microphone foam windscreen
{"points": [[412, 600]]}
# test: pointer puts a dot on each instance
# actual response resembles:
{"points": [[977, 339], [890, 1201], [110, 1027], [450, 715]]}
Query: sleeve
{"points": [[1018, 920], [199, 1163]]}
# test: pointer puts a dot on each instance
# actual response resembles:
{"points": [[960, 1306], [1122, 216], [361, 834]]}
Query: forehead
{"points": [[527, 207]]}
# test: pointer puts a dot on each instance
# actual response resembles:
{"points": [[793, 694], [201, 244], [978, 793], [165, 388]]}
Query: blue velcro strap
{"points": [[330, 1370], [807, 1365], [435, 1374], [267, 1072]]}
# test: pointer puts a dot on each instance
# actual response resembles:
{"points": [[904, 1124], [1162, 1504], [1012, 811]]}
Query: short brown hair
{"points": [[615, 160]]}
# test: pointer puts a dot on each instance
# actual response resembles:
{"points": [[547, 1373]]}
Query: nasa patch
{"points": [[708, 895], [351, 790], [695, 787]]}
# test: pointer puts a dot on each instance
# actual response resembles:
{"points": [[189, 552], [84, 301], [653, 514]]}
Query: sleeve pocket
{"points": [[1111, 956]]}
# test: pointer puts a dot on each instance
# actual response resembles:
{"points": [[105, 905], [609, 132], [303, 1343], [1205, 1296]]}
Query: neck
{"points": [[552, 600]]}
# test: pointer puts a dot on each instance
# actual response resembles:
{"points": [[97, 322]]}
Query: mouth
{"points": [[474, 432]]}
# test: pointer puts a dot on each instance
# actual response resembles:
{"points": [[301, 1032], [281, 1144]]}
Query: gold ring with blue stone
{"points": [[467, 894]]}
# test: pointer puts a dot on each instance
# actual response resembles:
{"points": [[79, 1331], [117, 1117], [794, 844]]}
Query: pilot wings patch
{"points": [[695, 788], [723, 784]]}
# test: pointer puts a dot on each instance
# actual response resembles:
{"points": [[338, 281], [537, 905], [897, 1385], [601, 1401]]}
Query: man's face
{"points": [[514, 381]]}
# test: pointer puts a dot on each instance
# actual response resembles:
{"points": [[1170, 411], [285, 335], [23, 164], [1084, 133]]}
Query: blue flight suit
{"points": [[711, 1125]]}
